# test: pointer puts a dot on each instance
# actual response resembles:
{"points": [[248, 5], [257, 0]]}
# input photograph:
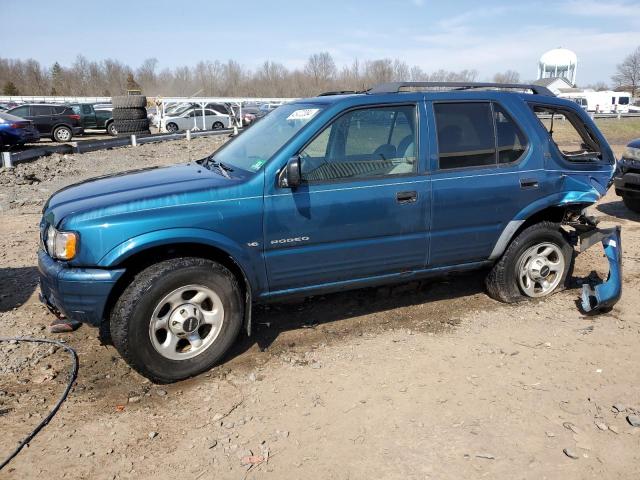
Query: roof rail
{"points": [[396, 87], [338, 92]]}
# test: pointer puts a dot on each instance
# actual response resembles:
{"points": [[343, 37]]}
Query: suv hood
{"points": [[138, 189]]}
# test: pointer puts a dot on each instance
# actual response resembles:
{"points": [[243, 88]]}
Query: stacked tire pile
{"points": [[130, 115]]}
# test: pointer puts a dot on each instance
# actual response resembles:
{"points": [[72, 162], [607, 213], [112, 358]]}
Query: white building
{"points": [[558, 63]]}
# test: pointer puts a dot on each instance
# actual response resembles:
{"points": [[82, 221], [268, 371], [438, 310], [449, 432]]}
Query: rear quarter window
{"points": [[573, 138]]}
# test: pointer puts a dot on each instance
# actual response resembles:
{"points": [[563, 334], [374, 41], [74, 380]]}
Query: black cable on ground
{"points": [[73, 373]]}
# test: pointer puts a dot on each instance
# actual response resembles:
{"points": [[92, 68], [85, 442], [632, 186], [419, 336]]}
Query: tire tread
{"points": [[497, 283], [137, 288]]}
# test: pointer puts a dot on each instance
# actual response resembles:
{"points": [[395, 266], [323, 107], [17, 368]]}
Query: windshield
{"points": [[254, 147]]}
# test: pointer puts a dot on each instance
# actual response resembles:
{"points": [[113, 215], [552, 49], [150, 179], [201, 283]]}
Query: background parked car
{"points": [[250, 115], [627, 179], [16, 131], [59, 122], [192, 118], [92, 118]]}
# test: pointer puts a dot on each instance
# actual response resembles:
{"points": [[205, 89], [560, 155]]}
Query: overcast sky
{"points": [[486, 35]]}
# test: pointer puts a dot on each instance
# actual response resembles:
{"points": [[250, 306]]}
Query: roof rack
{"points": [[396, 87]]}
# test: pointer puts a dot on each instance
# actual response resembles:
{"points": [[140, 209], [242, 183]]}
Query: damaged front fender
{"points": [[603, 297]]}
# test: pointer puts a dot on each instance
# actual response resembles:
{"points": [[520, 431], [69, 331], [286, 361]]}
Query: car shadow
{"points": [[619, 210], [16, 286], [271, 320]]}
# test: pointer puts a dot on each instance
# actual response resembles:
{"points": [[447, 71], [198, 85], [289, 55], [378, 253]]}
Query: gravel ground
{"points": [[423, 380]]}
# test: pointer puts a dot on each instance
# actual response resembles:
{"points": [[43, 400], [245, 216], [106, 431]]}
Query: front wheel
{"points": [[172, 127], [177, 318], [536, 264]]}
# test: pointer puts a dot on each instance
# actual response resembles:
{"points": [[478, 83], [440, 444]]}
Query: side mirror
{"points": [[290, 176]]}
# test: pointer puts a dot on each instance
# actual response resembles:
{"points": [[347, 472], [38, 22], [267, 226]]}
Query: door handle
{"points": [[529, 183], [406, 197]]}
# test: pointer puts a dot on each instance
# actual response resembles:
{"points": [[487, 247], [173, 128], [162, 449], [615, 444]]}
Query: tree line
{"points": [[110, 77]]}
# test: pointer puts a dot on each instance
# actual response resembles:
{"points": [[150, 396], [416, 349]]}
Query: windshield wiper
{"points": [[222, 168]]}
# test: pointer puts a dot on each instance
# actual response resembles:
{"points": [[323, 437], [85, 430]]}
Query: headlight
{"points": [[631, 153], [61, 245]]}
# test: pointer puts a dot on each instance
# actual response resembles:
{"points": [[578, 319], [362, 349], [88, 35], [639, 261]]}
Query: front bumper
{"points": [[604, 296], [78, 293], [627, 184]]}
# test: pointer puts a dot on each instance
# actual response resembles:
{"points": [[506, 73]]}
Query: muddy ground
{"points": [[423, 380]]}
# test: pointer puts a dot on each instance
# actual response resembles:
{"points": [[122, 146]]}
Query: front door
{"points": [[363, 206], [88, 117]]}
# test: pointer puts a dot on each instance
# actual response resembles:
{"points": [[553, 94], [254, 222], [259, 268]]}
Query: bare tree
{"points": [[628, 73], [598, 86], [146, 75], [509, 76], [321, 69], [378, 71], [214, 78]]}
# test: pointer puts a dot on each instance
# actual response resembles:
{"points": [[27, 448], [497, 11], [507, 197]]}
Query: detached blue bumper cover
{"points": [[78, 293], [605, 295]]}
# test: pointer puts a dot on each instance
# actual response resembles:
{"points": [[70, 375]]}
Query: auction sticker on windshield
{"points": [[304, 114]]}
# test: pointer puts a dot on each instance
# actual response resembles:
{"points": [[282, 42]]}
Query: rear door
{"points": [[363, 207], [484, 172], [42, 117]]}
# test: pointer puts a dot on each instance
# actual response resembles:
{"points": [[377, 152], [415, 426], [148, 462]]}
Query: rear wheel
{"points": [[62, 134], [111, 129], [217, 126], [177, 318], [535, 264], [632, 203]]}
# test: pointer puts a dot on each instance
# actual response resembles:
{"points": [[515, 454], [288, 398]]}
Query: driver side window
{"points": [[363, 143]]}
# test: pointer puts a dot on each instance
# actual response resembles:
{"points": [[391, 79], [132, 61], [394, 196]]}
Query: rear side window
{"points": [[465, 135], [40, 110], [86, 109], [477, 134]]}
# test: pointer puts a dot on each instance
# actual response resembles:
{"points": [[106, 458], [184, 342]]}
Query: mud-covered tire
{"points": [[129, 113], [632, 204], [131, 126], [131, 317], [502, 281], [129, 101]]}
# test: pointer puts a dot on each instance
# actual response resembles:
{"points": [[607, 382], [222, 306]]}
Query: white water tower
{"points": [[558, 63]]}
